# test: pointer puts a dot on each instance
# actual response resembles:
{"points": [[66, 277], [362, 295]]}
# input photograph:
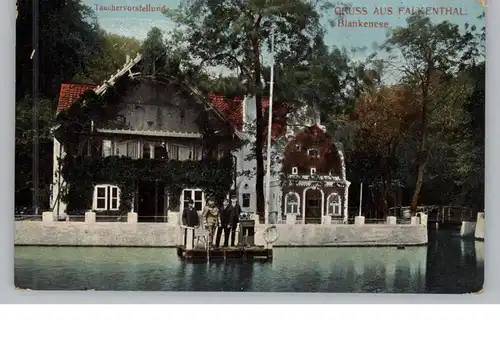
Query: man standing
{"points": [[234, 218], [190, 219], [190, 215], [211, 218], [225, 218]]}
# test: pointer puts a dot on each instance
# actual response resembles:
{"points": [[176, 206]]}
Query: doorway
{"points": [[151, 206], [313, 210]]}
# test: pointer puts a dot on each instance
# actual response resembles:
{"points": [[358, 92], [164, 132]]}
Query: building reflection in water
{"points": [[447, 265]]}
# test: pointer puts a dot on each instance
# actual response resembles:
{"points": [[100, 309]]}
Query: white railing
{"points": [[92, 217]]}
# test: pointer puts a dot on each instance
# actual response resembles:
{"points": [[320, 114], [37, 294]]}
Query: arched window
{"points": [[292, 203], [334, 204]]}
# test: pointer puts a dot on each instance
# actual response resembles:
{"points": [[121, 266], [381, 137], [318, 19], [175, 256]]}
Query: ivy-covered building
{"points": [[148, 144], [139, 143]]}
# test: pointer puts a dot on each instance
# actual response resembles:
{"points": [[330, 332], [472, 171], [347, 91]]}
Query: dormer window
{"points": [[313, 152], [295, 171], [313, 171], [297, 147]]}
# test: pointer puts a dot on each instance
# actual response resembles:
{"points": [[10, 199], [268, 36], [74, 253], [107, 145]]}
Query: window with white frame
{"points": [[196, 195], [183, 153], [292, 203], [195, 153], [106, 197], [313, 152], [173, 151], [295, 171], [146, 150], [107, 148], [132, 149], [334, 204], [313, 171]]}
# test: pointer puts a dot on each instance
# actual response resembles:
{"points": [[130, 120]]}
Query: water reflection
{"points": [[453, 265], [446, 265]]}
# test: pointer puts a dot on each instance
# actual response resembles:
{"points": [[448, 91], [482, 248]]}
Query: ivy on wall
{"points": [[214, 177], [82, 171]]}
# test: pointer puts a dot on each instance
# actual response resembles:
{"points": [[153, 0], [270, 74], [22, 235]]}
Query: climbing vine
{"points": [[214, 177], [83, 167]]}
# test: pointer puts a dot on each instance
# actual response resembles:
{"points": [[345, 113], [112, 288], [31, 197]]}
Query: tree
{"points": [[112, 57], [428, 58], [67, 36], [24, 151], [152, 49], [382, 114], [235, 33]]}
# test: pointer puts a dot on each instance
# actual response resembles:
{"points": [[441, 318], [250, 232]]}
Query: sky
{"points": [[137, 24]]}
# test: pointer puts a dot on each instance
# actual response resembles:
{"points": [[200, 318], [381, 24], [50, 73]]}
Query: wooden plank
{"points": [[244, 253]]}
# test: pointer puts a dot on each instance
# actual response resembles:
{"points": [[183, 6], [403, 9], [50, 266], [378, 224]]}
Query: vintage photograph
{"points": [[250, 146]]}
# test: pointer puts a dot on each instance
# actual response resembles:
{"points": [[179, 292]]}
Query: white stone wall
{"points": [[344, 235], [479, 232], [168, 235], [467, 229]]}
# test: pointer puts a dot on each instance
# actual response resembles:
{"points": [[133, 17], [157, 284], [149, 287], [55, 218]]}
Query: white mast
{"points": [[360, 197], [269, 131]]}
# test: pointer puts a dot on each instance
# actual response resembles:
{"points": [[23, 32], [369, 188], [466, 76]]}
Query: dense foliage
{"points": [[413, 138], [81, 174]]}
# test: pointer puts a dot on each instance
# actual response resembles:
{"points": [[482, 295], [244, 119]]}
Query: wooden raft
{"points": [[244, 253]]}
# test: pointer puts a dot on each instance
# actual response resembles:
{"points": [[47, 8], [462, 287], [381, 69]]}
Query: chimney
{"points": [[317, 116], [127, 60]]}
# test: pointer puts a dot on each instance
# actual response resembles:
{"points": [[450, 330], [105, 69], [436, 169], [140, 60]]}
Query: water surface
{"points": [[446, 265]]}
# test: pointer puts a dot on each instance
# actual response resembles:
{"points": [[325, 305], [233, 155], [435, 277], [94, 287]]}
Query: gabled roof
{"points": [[233, 109], [70, 92]]}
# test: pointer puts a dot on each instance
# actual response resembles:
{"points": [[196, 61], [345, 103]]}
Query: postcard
{"points": [[250, 146]]}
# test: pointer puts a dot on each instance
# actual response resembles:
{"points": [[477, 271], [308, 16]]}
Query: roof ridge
{"points": [[78, 84]]}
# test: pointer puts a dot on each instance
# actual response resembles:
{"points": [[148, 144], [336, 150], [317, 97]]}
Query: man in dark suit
{"points": [[190, 215], [234, 218], [225, 218]]}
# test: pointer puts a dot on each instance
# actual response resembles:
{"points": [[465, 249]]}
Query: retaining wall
{"points": [[467, 229], [169, 235]]}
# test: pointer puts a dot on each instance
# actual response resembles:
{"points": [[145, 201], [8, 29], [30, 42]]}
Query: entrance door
{"points": [[313, 207], [151, 204]]}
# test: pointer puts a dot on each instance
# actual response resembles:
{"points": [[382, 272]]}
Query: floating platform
{"points": [[257, 253]]}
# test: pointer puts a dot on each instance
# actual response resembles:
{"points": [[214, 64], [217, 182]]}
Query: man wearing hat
{"points": [[190, 215], [211, 218], [234, 218]]}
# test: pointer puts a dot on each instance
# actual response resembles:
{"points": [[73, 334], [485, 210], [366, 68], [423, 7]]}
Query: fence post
{"points": [[90, 217], [290, 218], [47, 217], [132, 218]]}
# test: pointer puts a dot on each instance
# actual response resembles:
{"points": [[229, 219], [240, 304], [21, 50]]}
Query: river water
{"points": [[446, 265]]}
